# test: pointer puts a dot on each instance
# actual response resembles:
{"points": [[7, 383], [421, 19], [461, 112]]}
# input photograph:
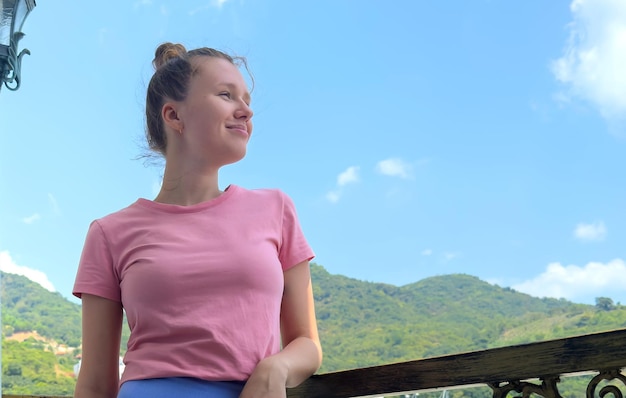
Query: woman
{"points": [[215, 284]]}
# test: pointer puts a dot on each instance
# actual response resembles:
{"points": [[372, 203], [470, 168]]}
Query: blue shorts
{"points": [[182, 387]]}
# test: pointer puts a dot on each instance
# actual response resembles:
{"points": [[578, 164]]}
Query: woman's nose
{"points": [[244, 111]]}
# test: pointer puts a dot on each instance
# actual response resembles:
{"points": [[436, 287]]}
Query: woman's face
{"points": [[216, 115]]}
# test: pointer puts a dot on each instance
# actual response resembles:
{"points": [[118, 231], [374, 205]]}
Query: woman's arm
{"points": [[302, 352], [102, 330]]}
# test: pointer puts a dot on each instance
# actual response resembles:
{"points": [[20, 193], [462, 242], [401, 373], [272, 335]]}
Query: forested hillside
{"points": [[40, 333], [361, 324], [26, 306]]}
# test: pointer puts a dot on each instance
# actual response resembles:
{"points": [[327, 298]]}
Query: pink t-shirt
{"points": [[201, 285]]}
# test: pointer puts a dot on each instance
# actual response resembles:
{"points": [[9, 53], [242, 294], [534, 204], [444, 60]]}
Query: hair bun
{"points": [[167, 51]]}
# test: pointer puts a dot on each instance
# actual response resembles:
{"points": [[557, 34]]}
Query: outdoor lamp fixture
{"points": [[13, 13]]}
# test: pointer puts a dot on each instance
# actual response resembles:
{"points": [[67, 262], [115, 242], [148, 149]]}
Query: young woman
{"points": [[215, 284]]}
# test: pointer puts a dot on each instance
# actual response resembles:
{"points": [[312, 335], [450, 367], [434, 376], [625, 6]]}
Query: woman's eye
{"points": [[225, 94]]}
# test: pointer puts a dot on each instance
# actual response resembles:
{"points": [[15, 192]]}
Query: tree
{"points": [[604, 304]]}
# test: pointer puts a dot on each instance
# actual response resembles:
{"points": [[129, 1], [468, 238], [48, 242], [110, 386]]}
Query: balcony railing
{"points": [[520, 370]]}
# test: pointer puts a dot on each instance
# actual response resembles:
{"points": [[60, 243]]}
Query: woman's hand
{"points": [[268, 380]]}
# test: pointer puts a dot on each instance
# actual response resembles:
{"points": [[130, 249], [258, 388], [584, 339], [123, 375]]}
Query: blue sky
{"points": [[416, 138]]}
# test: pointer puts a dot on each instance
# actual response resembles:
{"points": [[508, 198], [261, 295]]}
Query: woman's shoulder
{"points": [[122, 215], [271, 200], [268, 194]]}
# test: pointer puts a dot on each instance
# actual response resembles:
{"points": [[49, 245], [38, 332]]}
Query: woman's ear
{"points": [[170, 116]]}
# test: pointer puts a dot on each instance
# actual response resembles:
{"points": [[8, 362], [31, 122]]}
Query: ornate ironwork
{"points": [[12, 72], [547, 388], [13, 13], [608, 375]]}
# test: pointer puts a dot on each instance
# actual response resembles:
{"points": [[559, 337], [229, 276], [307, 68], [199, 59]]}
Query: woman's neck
{"points": [[188, 188]]}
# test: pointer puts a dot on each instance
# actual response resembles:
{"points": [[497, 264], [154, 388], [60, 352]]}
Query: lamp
{"points": [[13, 13]]}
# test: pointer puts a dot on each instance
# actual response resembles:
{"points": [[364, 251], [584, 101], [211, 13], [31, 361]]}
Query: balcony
{"points": [[515, 371]]}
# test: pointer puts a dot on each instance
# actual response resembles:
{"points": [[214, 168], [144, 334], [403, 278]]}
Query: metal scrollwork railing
{"points": [[12, 76], [547, 389], [610, 375]]}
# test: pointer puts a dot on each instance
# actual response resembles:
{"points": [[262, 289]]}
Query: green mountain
{"points": [[39, 330], [361, 324], [27, 307]]}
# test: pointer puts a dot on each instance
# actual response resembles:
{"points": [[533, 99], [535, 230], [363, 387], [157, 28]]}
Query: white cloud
{"points": [[394, 167], [141, 3], [54, 204], [449, 256], [31, 219], [594, 58], [9, 266], [333, 196], [212, 4], [197, 10], [427, 252], [573, 282], [349, 176], [589, 232]]}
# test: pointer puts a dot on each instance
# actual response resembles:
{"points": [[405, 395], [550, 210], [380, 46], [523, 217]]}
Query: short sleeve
{"points": [[96, 273], [294, 247]]}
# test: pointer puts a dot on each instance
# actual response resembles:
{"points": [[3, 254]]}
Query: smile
{"points": [[241, 128]]}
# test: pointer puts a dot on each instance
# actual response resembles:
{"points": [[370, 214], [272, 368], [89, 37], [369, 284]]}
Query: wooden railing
{"points": [[523, 369], [503, 369]]}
